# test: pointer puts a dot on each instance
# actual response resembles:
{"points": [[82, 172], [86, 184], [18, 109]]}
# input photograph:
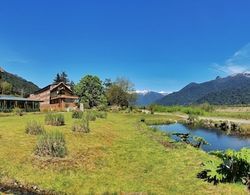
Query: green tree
{"points": [[124, 84], [64, 78], [107, 83], [5, 87], [121, 93], [117, 96], [90, 90], [61, 77], [57, 79]]}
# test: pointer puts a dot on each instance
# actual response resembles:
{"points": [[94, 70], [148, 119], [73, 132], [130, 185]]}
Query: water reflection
{"points": [[217, 139]]}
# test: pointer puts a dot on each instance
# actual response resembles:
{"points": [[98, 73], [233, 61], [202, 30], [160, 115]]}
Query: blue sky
{"points": [[159, 45]]}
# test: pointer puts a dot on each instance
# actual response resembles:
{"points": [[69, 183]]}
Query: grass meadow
{"points": [[119, 155]]}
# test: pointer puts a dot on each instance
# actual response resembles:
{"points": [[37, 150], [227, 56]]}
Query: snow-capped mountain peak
{"points": [[143, 92]]}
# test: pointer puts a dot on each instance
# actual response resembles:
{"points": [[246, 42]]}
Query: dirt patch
{"points": [[14, 187]]}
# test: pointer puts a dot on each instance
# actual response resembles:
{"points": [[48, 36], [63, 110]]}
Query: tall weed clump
{"points": [[34, 128], [82, 125], [54, 119], [90, 115], [18, 111], [51, 144]]}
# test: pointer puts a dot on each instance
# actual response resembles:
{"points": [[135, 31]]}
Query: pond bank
{"points": [[217, 139], [227, 126]]}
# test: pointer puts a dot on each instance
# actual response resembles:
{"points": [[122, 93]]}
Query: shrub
{"points": [[101, 114], [152, 109], [192, 120], [34, 128], [77, 114], [90, 115], [102, 107], [51, 144], [54, 119], [81, 126], [18, 111]]}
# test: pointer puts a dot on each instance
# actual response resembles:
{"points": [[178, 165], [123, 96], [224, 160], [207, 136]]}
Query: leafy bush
{"points": [[54, 119], [198, 142], [51, 144], [81, 126], [212, 172], [102, 107], [77, 114], [194, 141], [34, 128], [235, 167]]}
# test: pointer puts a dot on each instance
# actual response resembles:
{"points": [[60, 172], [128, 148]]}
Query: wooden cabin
{"points": [[56, 97]]}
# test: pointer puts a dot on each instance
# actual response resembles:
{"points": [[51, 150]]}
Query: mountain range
{"points": [[230, 90], [145, 98], [20, 86], [234, 89]]}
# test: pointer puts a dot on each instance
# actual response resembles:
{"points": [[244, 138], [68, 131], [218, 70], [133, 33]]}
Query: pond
{"points": [[217, 139]]}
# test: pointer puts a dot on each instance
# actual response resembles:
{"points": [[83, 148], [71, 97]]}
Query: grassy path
{"points": [[235, 120], [115, 156]]}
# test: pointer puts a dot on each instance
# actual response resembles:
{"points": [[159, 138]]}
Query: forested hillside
{"points": [[15, 85], [230, 90]]}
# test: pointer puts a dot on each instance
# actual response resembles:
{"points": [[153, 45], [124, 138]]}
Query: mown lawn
{"points": [[116, 156]]}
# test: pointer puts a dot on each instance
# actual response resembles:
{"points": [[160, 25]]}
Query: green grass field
{"points": [[118, 155]]}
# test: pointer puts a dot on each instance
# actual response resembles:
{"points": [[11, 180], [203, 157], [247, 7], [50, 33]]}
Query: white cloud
{"points": [[230, 69], [239, 62]]}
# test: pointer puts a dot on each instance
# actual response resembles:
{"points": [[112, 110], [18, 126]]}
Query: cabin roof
{"points": [[49, 88], [61, 83], [14, 98]]}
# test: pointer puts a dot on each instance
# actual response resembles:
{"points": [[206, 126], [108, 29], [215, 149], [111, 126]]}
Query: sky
{"points": [[159, 45]]}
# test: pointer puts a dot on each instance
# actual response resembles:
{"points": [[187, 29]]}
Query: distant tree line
{"points": [[94, 92]]}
